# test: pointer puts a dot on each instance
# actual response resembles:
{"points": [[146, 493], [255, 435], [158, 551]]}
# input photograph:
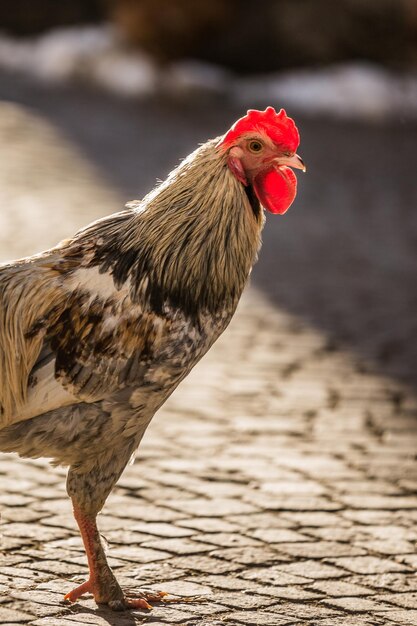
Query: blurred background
{"points": [[100, 98]]}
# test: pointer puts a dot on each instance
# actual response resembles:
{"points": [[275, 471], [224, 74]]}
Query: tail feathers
{"points": [[31, 299]]}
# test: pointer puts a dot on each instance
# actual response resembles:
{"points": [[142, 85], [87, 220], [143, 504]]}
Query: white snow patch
{"points": [[349, 90], [91, 54], [97, 55], [195, 76]]}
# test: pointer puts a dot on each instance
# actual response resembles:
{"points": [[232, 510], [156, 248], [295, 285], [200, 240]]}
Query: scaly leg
{"points": [[102, 583]]}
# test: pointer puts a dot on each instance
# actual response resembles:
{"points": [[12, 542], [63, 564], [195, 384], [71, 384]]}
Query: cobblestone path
{"points": [[277, 486]]}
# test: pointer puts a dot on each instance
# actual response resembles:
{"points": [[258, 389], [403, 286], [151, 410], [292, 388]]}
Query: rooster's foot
{"points": [[114, 596]]}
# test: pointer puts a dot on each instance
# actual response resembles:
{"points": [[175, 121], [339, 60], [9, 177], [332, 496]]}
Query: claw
{"points": [[76, 593], [138, 603], [152, 596]]}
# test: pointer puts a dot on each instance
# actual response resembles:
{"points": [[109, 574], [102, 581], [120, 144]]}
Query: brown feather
{"points": [[31, 299]]}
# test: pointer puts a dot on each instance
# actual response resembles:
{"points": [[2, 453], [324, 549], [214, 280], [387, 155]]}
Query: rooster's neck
{"points": [[192, 241]]}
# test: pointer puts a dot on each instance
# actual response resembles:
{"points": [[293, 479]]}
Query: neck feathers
{"points": [[192, 241]]}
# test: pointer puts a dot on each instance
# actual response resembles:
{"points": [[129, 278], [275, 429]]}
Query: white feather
{"points": [[92, 280], [46, 394]]}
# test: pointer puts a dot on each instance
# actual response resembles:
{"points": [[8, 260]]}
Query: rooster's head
{"points": [[261, 149]]}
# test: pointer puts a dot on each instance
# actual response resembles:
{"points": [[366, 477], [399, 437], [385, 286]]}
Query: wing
{"points": [[68, 333], [31, 299], [104, 341]]}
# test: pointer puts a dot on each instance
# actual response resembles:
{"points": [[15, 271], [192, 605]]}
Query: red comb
{"points": [[278, 126]]}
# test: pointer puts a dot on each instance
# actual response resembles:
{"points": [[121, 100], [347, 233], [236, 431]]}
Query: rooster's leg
{"points": [[102, 583]]}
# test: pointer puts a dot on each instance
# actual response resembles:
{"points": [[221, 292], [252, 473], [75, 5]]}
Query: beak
{"points": [[293, 161]]}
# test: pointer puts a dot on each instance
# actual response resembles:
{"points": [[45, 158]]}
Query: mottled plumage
{"points": [[96, 333]]}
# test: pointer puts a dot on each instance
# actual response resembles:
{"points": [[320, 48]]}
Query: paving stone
{"points": [[274, 576], [87, 618], [380, 502], [363, 535], [62, 521], [405, 618], [161, 495], [320, 549], [13, 572], [340, 588], [46, 492], [14, 500], [162, 529], [260, 618], [389, 533], [291, 488], [239, 600], [227, 540], [40, 609], [355, 620], [126, 537], [9, 559], [62, 621], [394, 547], [145, 512], [130, 480], [294, 592], [17, 583], [364, 486], [20, 514], [307, 611], [108, 523], [197, 609], [38, 596], [356, 605], [203, 563], [278, 535], [408, 559], [312, 569], [156, 571], [169, 615], [262, 520], [12, 616], [316, 518], [56, 567], [179, 545], [136, 554], [185, 588], [208, 525], [373, 517], [344, 534], [248, 555], [406, 600], [72, 546], [15, 543], [291, 503], [230, 583], [369, 565], [33, 531], [56, 505], [211, 508], [397, 582]]}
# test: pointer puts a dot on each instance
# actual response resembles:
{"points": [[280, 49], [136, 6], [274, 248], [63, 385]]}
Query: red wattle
{"points": [[276, 189]]}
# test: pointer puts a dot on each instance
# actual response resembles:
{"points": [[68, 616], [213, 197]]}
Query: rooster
{"points": [[96, 333]]}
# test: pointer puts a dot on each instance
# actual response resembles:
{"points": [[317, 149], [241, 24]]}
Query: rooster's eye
{"points": [[255, 146]]}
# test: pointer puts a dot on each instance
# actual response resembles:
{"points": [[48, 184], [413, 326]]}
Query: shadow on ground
{"points": [[343, 258]]}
